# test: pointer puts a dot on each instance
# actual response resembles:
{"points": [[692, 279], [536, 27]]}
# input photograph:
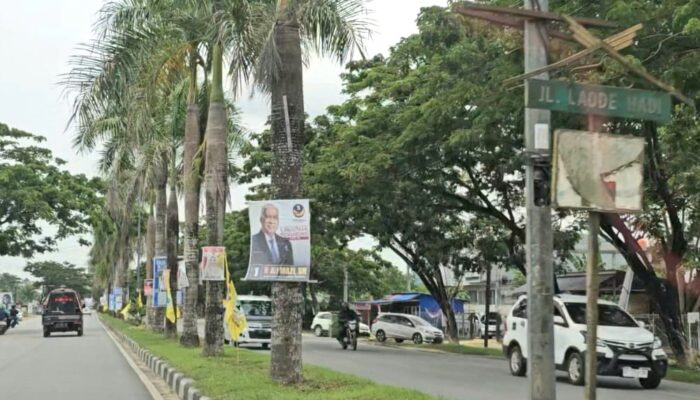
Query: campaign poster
{"points": [[148, 287], [160, 264], [118, 298], [280, 245], [213, 263]]}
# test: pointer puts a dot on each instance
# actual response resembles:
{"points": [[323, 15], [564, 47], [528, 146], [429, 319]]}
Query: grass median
{"points": [[246, 376]]}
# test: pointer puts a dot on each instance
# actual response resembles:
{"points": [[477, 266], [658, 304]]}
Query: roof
{"points": [[610, 281], [399, 297]]}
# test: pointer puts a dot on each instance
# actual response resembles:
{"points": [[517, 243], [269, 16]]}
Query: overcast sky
{"points": [[37, 37]]}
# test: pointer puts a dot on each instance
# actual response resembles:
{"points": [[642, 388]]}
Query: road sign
{"points": [[598, 100]]}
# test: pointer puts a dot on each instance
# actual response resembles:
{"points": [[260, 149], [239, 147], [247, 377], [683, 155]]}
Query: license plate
{"points": [[629, 372], [61, 325]]}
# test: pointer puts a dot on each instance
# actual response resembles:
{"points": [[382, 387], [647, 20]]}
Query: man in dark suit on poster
{"points": [[267, 247]]}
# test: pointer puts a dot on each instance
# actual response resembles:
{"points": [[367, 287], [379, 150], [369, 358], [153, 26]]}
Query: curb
{"points": [[177, 381]]}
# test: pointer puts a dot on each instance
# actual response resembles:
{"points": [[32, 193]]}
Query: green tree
{"points": [[37, 190], [9, 282], [333, 27], [51, 275]]}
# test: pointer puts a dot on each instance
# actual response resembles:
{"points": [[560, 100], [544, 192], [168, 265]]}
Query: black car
{"points": [[62, 312]]}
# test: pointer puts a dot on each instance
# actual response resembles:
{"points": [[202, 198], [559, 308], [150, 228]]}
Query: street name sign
{"points": [[598, 100]]}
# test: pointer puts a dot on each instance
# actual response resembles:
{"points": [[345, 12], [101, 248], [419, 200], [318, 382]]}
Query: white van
{"points": [[258, 313], [624, 347]]}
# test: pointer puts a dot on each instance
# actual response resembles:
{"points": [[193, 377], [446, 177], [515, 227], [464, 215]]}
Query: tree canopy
{"points": [[52, 274], [39, 195]]}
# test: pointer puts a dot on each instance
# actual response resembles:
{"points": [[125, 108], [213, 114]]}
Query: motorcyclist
{"points": [[13, 316], [346, 315]]}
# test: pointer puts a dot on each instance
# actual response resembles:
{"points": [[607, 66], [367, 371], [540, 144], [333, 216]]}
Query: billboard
{"points": [[160, 264], [213, 263], [280, 245], [597, 171]]}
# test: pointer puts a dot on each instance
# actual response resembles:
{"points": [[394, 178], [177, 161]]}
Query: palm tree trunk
{"points": [[215, 183], [287, 91], [150, 253], [193, 139], [172, 237], [158, 321]]}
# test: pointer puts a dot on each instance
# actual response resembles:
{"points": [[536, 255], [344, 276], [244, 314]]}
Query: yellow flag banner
{"points": [[169, 305], [234, 317], [139, 302], [125, 311]]}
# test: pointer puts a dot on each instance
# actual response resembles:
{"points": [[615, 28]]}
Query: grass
{"points": [[683, 375], [247, 379]]}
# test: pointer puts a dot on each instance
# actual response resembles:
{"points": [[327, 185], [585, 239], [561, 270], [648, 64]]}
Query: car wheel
{"points": [[417, 338], [47, 333], [398, 340], [265, 346], [80, 332], [574, 368], [516, 361], [652, 381], [381, 336], [318, 331]]}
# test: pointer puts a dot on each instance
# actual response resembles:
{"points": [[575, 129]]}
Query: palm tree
{"points": [[274, 57], [216, 182]]}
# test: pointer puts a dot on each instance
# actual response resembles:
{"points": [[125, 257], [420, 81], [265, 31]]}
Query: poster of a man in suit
{"points": [[279, 242]]}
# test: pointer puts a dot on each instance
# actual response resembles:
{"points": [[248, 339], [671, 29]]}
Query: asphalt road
{"points": [[64, 366], [466, 377]]}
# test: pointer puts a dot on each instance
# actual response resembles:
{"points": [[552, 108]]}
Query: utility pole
{"points": [[487, 307], [345, 282], [540, 360]]}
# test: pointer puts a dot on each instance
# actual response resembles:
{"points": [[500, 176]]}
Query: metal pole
{"points": [[488, 303], [345, 282], [539, 246], [139, 285], [592, 287]]}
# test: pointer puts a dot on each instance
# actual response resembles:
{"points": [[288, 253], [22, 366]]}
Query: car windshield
{"points": [[253, 308], [608, 315]]}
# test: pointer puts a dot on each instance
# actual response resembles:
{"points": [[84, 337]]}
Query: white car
{"points": [[402, 327], [322, 323], [624, 347]]}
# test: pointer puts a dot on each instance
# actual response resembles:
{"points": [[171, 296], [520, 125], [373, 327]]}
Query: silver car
{"points": [[402, 327]]}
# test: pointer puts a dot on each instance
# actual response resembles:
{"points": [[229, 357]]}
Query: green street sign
{"points": [[598, 100]]}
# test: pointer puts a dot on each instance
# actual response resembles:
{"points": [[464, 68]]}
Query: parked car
{"points": [[62, 312], [322, 323], [402, 327], [624, 347], [495, 324]]}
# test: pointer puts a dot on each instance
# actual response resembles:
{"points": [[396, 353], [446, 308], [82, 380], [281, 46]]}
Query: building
{"points": [[419, 304], [473, 284]]}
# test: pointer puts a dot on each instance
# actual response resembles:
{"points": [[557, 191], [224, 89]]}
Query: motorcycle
{"points": [[4, 326], [350, 338]]}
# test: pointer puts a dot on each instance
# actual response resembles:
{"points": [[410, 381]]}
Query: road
{"points": [[466, 377], [65, 366]]}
